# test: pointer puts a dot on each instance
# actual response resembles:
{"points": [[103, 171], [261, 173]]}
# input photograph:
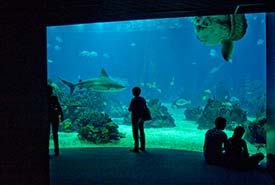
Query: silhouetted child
{"points": [[215, 139], [237, 153], [54, 111], [137, 106]]}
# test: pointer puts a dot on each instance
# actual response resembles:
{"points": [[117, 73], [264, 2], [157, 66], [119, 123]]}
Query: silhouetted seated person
{"points": [[236, 150], [215, 139], [54, 112]]}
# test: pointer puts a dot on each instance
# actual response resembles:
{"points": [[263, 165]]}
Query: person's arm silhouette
{"points": [[245, 150], [59, 109]]}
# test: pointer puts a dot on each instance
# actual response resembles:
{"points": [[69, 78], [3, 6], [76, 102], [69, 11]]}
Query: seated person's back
{"points": [[214, 141], [237, 152], [236, 148]]}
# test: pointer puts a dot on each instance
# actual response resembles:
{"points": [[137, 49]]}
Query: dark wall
{"points": [[270, 128], [23, 106], [87, 11], [23, 121]]}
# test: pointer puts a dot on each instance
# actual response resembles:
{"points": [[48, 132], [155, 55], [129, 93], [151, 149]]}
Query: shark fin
{"points": [[103, 73], [69, 84]]}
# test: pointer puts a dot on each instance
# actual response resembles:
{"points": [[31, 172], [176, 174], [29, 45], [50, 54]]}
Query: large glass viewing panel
{"points": [[190, 70]]}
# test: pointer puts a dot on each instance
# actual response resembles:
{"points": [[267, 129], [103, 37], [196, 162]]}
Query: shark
{"points": [[102, 83], [216, 69]]}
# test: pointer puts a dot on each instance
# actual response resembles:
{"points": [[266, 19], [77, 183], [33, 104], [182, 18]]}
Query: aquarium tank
{"points": [[190, 70]]}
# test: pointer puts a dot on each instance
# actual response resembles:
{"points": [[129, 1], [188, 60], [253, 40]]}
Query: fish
{"points": [[106, 55], [133, 44], [207, 91], [93, 54], [84, 53], [98, 84], [50, 61], [213, 53], [172, 83], [151, 85], [58, 39], [205, 97], [181, 102], [57, 48], [234, 99], [216, 69], [260, 41]]}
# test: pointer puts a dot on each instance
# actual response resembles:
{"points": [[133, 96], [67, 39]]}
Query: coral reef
{"points": [[97, 127], [193, 113], [66, 126], [160, 116], [83, 100], [255, 132], [215, 108], [114, 107]]}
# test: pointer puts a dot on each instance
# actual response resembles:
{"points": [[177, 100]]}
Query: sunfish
{"points": [[221, 29]]}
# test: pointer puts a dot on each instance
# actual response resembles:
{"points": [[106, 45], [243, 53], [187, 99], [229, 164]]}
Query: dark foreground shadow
{"points": [[154, 166]]}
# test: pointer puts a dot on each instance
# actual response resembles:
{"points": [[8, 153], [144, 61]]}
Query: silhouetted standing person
{"points": [[214, 142], [54, 111], [236, 150], [137, 107]]}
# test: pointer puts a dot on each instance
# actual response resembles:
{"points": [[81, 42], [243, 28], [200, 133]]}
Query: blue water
{"points": [[164, 52]]}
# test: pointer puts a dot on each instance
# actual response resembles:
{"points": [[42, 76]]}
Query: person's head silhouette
{"points": [[238, 132], [220, 123], [136, 91]]}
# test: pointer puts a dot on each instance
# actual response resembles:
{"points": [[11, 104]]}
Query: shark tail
{"points": [[69, 84]]}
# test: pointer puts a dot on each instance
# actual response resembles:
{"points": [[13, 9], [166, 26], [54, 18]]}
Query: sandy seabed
{"points": [[185, 136]]}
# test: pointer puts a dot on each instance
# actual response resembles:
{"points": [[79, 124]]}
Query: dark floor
{"points": [[118, 166]]}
